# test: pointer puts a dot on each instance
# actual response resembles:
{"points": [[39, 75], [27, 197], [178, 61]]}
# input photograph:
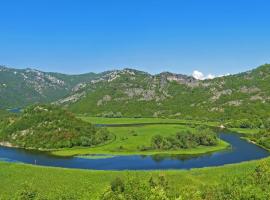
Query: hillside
{"points": [[133, 93], [49, 127], [22, 87]]}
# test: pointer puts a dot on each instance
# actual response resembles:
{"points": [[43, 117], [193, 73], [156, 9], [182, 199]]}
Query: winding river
{"points": [[241, 151]]}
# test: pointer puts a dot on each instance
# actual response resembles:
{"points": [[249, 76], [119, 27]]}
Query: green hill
{"points": [[23, 87], [50, 127], [133, 93]]}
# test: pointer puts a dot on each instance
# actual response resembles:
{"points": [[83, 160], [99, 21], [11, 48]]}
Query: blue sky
{"points": [[212, 36]]}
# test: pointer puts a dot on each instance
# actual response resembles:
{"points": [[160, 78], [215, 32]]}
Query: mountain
{"points": [[130, 92], [134, 93], [22, 87]]}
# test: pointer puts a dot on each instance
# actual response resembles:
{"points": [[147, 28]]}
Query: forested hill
{"points": [[49, 127], [22, 87], [134, 93]]}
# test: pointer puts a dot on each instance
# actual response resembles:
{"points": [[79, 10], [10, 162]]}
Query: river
{"points": [[241, 151]]}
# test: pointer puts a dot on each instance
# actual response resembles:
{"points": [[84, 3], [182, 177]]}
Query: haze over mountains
{"points": [[130, 92]]}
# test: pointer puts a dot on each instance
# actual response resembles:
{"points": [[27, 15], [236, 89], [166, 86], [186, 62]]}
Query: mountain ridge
{"points": [[166, 95], [130, 92]]}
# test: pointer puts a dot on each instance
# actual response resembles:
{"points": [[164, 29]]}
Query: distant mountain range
{"points": [[130, 92], [22, 87]]}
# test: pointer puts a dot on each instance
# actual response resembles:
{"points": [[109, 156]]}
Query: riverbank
{"points": [[247, 132], [6, 144]]}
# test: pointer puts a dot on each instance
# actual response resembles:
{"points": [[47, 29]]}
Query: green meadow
{"points": [[129, 140], [59, 183], [92, 184], [125, 120]]}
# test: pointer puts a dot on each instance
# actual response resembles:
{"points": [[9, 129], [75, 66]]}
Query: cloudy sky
{"points": [[181, 36]]}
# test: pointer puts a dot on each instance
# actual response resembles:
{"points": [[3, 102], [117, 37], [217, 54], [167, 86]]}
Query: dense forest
{"points": [[50, 127]]}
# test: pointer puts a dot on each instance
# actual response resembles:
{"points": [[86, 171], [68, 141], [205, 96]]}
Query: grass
{"points": [[90, 184], [103, 120], [245, 131], [95, 156], [129, 139]]}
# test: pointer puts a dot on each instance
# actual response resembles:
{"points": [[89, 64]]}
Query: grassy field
{"points": [[90, 184], [129, 139], [245, 131], [103, 120]]}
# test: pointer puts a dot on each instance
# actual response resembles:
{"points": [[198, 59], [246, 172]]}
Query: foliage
{"points": [[138, 140], [195, 184], [23, 87], [243, 96], [155, 189], [261, 138], [255, 185], [50, 127], [186, 139], [26, 193]]}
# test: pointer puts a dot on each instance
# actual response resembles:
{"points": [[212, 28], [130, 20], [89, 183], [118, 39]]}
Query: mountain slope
{"points": [[133, 93], [22, 87]]}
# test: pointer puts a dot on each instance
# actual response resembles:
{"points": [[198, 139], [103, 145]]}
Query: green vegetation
{"points": [[186, 139], [136, 139], [3, 113], [154, 188], [240, 102], [149, 120], [23, 87], [50, 127], [243, 96], [262, 138], [95, 156], [259, 136], [254, 185], [237, 181]]}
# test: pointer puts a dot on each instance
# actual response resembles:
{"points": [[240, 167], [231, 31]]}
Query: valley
{"points": [[131, 124], [135, 100]]}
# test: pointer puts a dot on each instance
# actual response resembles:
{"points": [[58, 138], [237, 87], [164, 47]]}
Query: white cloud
{"points": [[228, 74], [210, 76], [200, 76]]}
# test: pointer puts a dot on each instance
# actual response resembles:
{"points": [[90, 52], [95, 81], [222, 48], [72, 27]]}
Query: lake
{"points": [[240, 151]]}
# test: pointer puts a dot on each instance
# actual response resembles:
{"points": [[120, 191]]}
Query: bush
{"points": [[117, 185], [185, 139], [133, 188], [26, 193]]}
